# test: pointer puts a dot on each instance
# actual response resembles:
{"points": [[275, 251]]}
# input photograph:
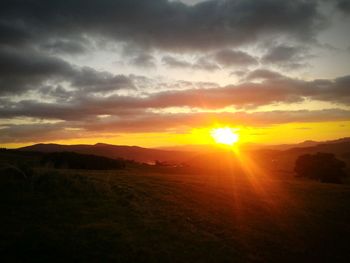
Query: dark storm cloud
{"points": [[13, 133], [276, 88], [202, 63], [25, 62], [337, 90], [263, 74], [14, 32], [143, 60], [31, 29], [161, 122], [160, 23], [174, 62], [244, 96], [238, 73], [229, 57], [91, 80], [64, 46], [344, 5], [286, 56], [34, 33], [152, 122], [23, 69], [213, 61], [80, 114]]}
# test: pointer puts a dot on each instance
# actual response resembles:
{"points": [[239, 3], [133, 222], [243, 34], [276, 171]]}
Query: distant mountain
{"points": [[278, 158], [185, 148], [285, 159], [338, 148], [135, 153], [308, 143], [207, 148], [210, 148]]}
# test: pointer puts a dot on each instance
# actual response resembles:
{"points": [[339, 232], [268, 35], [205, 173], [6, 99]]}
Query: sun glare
{"points": [[224, 136]]}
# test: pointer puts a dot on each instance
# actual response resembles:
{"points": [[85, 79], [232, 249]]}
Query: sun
{"points": [[224, 136]]}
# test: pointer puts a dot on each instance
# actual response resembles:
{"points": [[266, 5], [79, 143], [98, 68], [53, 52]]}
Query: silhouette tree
{"points": [[324, 167]]}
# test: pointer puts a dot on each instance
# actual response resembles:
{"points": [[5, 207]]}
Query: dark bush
{"points": [[71, 160], [324, 167], [12, 180], [12, 172]]}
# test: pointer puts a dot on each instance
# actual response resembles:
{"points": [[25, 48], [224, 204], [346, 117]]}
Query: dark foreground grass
{"points": [[137, 216]]}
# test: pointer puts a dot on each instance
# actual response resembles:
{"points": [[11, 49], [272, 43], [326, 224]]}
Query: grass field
{"points": [[135, 215]]}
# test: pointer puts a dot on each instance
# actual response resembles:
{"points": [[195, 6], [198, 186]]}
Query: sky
{"points": [[157, 73]]}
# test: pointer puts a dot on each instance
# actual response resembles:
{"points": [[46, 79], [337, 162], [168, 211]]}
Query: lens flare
{"points": [[224, 136]]}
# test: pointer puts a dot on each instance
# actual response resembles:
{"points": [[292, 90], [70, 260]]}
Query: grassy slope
{"points": [[136, 216]]}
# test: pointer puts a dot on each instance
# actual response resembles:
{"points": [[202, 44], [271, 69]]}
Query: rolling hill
{"points": [[135, 153], [201, 156]]}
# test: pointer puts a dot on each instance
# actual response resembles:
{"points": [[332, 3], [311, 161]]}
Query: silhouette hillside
{"points": [[135, 153], [285, 159]]}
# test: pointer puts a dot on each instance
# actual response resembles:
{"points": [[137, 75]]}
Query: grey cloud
{"points": [[337, 90], [91, 80], [23, 69], [28, 70], [286, 56], [205, 64], [152, 122], [29, 63], [229, 57], [143, 60], [65, 46], [343, 5], [216, 60], [39, 132], [245, 95], [175, 62], [238, 73], [57, 92], [263, 74], [160, 23], [14, 33], [202, 63], [12, 133], [33, 33]]}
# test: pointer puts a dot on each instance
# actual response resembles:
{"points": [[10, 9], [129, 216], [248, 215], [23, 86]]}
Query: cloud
{"points": [[285, 56], [238, 73], [229, 57], [151, 122], [38, 38], [142, 122], [64, 46], [21, 70], [263, 74], [336, 90], [159, 23], [173, 62], [343, 5], [91, 80], [143, 60], [202, 63], [38, 132], [245, 96]]}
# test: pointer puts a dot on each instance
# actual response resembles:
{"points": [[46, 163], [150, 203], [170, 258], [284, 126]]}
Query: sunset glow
{"points": [[197, 70], [210, 126], [225, 136]]}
